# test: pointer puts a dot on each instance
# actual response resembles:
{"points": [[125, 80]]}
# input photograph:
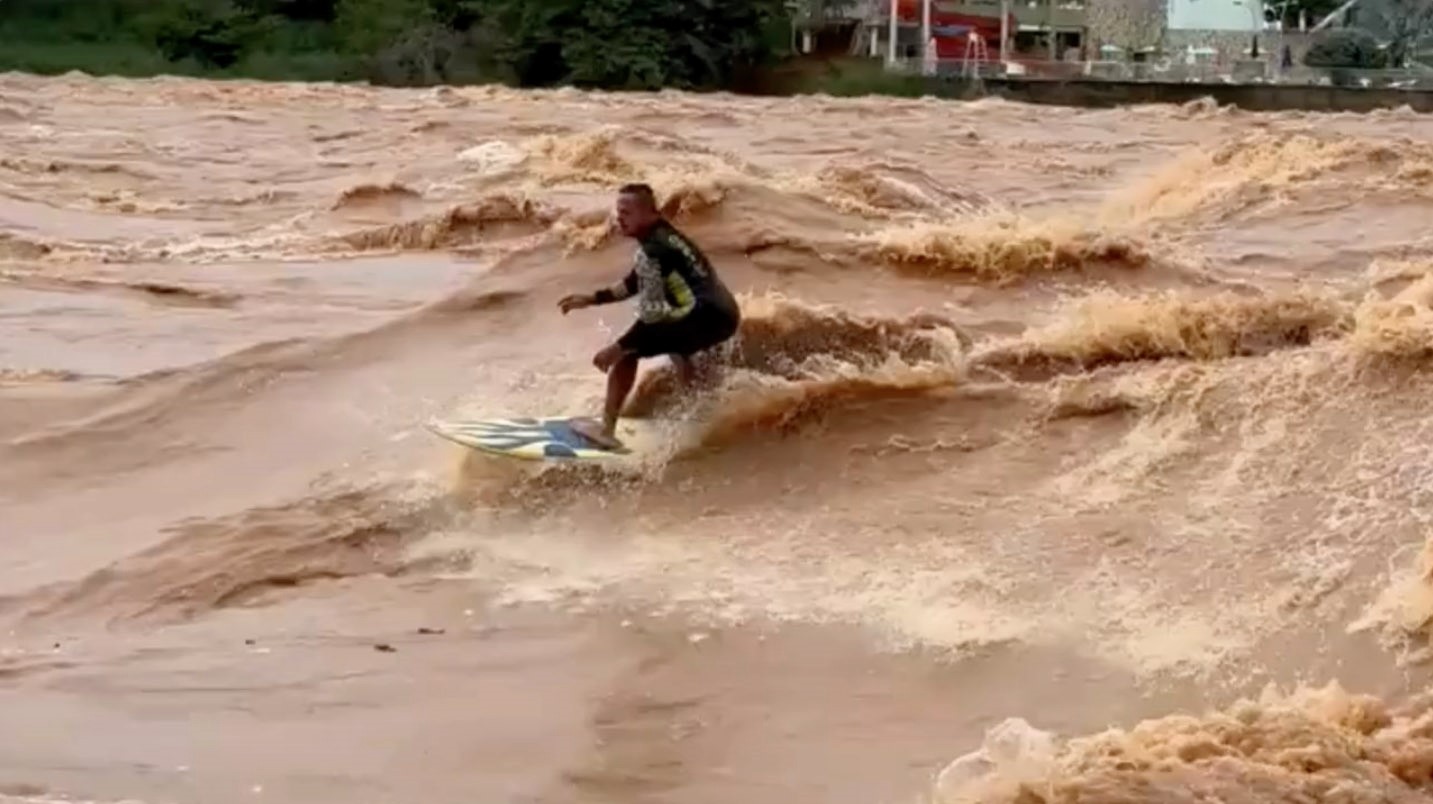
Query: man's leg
{"points": [[700, 371], [698, 364], [686, 372], [620, 379]]}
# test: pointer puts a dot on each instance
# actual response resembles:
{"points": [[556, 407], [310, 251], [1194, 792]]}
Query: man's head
{"points": [[636, 209]]}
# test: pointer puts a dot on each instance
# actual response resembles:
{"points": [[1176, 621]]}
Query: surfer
{"points": [[682, 306]]}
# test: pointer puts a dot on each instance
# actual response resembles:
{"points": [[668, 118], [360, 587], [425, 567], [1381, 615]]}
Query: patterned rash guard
{"points": [[672, 279]]}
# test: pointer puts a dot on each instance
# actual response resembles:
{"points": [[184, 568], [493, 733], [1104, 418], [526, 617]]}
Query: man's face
{"points": [[633, 216]]}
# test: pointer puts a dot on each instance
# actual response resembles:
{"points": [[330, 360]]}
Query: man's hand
{"points": [[608, 357], [575, 302]]}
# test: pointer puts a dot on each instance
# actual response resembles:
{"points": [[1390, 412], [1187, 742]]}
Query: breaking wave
{"points": [[244, 559], [791, 361], [1003, 249], [459, 226], [1106, 327], [1311, 744], [1259, 171]]}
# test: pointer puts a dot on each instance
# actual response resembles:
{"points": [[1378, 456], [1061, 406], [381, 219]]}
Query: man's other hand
{"points": [[575, 302], [608, 357]]}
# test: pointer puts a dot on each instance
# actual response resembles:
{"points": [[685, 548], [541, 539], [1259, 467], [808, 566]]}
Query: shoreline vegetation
{"points": [[743, 46], [736, 45]]}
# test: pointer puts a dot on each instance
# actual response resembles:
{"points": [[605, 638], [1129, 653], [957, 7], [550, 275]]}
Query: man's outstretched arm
{"points": [[617, 291], [613, 293]]}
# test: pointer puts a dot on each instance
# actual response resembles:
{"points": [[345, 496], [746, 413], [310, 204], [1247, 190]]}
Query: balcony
{"points": [[1042, 14], [1036, 14]]}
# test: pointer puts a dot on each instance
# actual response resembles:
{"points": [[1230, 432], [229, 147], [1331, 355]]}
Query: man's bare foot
{"points": [[591, 430]]}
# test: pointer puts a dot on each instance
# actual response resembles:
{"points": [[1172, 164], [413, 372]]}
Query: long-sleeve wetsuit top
{"points": [[672, 278]]}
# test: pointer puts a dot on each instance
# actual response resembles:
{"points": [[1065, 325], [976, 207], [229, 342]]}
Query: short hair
{"points": [[642, 190]]}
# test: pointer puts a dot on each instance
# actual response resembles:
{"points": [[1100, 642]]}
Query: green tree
{"points": [[368, 26], [307, 10], [627, 43], [526, 37], [215, 34], [1406, 23], [639, 44], [1347, 48]]}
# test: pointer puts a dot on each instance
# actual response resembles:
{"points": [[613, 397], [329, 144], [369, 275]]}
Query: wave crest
{"points": [[1105, 327], [1312, 744], [461, 225], [1002, 248], [792, 360]]}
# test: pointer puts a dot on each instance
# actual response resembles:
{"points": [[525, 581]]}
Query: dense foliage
{"points": [[1346, 48], [608, 43], [1404, 23]]}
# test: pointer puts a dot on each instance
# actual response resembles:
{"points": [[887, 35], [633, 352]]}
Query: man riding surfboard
{"points": [[682, 306]]}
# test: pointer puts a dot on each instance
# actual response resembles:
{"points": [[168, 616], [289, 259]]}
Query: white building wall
{"points": [[1215, 15]]}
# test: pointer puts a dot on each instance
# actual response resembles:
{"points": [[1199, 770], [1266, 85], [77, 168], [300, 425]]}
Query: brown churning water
{"points": [[1115, 422]]}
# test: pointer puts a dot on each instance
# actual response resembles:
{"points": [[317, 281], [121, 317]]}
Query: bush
{"points": [[420, 57], [687, 44], [368, 26], [214, 35], [857, 77], [1347, 48], [624, 44]]}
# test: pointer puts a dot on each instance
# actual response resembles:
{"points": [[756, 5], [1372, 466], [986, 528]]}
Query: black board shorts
{"points": [[698, 331]]}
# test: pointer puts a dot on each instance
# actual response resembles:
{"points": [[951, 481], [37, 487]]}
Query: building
{"points": [[1136, 30], [1038, 29], [1217, 32], [1228, 28]]}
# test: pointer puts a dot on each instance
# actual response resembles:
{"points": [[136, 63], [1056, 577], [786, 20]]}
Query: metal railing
{"points": [[1168, 71]]}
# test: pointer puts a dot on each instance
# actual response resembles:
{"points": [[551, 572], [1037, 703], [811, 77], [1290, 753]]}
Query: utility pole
{"points": [[891, 37], [925, 29], [1256, 8], [1004, 30], [1053, 40]]}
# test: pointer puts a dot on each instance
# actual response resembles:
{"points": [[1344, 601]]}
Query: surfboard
{"points": [[547, 438]]}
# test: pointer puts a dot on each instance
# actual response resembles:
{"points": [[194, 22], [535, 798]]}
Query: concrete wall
{"points": [[1253, 97]]}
